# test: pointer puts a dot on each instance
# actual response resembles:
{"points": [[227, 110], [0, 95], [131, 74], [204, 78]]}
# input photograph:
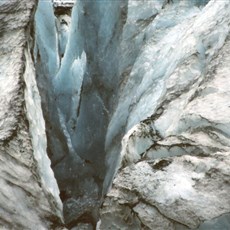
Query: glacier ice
{"points": [[37, 129], [29, 195], [124, 70], [77, 91], [46, 38], [157, 62]]}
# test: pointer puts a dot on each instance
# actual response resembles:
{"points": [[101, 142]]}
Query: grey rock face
{"points": [[29, 196]]}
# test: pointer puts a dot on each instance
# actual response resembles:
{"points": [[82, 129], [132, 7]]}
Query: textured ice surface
{"points": [[181, 190], [158, 60], [37, 130], [169, 63], [173, 102], [77, 95], [222, 222], [46, 37], [29, 196]]}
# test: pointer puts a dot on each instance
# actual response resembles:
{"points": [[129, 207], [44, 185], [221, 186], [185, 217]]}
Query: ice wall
{"points": [[156, 61], [78, 89], [37, 131], [29, 195]]}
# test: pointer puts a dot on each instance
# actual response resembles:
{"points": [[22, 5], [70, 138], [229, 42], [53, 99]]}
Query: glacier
{"points": [[127, 72], [115, 115]]}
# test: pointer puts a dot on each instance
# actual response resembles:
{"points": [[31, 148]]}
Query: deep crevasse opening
{"points": [[77, 82]]}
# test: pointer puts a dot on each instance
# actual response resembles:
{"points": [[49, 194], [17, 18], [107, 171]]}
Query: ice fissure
{"points": [[77, 64]]}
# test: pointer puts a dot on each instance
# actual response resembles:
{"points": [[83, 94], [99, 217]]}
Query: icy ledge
{"points": [[37, 131]]}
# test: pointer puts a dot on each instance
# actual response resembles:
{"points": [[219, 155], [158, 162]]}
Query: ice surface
{"points": [[68, 81], [222, 222], [176, 50], [78, 101], [46, 46], [157, 62], [37, 129]]}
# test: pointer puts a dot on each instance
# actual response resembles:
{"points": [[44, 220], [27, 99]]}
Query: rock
{"points": [[81, 210]]}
